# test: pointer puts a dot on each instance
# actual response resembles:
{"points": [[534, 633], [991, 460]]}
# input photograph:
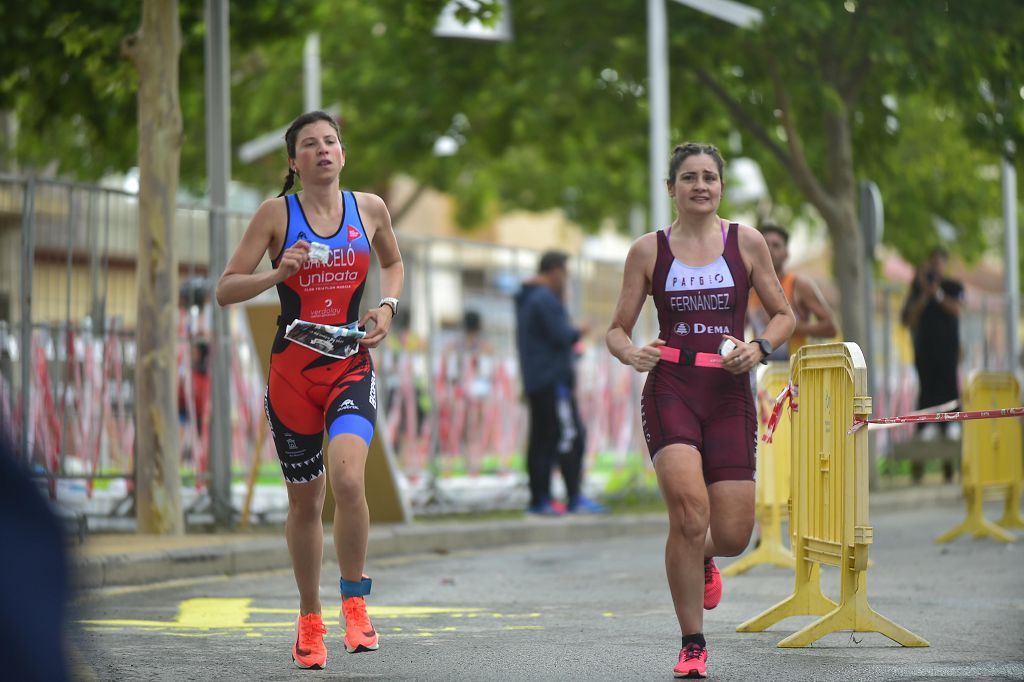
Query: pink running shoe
{"points": [[359, 632], [712, 584], [693, 662], [309, 651]]}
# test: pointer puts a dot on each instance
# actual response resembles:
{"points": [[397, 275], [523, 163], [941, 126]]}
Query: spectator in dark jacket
{"points": [[546, 337]]}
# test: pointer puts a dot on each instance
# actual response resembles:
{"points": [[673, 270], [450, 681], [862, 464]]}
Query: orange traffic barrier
{"points": [[829, 487], [771, 496], [990, 457]]}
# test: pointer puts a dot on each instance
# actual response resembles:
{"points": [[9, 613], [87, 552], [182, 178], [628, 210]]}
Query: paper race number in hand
{"points": [[335, 342]]}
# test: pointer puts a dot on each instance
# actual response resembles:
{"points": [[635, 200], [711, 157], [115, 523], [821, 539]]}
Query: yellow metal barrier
{"points": [[830, 499], [990, 457], [771, 495]]}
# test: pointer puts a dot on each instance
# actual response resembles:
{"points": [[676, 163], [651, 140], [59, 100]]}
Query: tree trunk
{"points": [[844, 228], [848, 269], [8, 142], [155, 50]]}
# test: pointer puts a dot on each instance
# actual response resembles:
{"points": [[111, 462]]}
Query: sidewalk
{"points": [[109, 560]]}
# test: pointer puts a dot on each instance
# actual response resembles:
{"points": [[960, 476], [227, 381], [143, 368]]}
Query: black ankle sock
{"points": [[694, 639]]}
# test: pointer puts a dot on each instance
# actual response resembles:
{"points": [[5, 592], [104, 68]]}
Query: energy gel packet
{"points": [[319, 253], [336, 342]]}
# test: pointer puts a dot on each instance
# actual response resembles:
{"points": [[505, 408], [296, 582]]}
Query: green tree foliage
{"points": [[74, 94], [551, 119], [813, 87], [558, 117], [956, 181]]}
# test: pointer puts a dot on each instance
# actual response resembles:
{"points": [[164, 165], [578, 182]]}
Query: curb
{"points": [[267, 554], [904, 499]]}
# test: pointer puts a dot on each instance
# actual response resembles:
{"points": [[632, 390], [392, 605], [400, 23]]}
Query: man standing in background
{"points": [[545, 338], [814, 318]]}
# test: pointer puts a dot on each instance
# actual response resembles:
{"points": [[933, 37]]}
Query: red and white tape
{"points": [[939, 417], [789, 393]]}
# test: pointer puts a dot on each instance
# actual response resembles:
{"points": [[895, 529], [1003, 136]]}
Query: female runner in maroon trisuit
{"points": [[308, 391], [697, 408]]}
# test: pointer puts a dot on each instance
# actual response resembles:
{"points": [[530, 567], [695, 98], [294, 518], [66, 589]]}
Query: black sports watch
{"points": [[766, 348]]}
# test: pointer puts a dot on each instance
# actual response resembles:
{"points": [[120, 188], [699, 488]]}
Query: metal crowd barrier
{"points": [[990, 458], [830, 499]]}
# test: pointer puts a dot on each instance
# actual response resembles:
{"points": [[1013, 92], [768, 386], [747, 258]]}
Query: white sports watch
{"points": [[391, 302]]}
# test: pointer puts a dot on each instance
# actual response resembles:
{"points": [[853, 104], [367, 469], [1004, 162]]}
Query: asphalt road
{"points": [[586, 610]]}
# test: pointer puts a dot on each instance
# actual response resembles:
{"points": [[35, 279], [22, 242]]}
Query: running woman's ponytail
{"points": [[288, 182]]}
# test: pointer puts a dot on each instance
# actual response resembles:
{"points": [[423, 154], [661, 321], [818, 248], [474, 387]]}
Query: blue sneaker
{"points": [[546, 508], [585, 505]]}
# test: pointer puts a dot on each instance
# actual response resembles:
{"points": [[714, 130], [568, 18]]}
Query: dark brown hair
{"points": [[292, 135], [772, 227], [552, 260], [688, 149]]}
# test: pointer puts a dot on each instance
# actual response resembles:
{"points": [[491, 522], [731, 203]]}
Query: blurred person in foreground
{"points": [[814, 317], [697, 409], [546, 339], [33, 578], [318, 241], [932, 313]]}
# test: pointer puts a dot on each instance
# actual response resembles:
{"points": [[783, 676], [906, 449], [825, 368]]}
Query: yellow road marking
{"points": [[203, 616]]}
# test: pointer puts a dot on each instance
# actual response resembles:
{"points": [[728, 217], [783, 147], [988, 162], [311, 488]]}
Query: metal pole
{"points": [[872, 219], [886, 384], [67, 336], [1011, 274], [984, 333], [218, 164], [28, 224], [657, 68], [92, 240], [311, 85], [433, 351]]}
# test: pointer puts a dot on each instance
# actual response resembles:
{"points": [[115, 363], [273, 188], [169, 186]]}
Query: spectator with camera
{"points": [[932, 313]]}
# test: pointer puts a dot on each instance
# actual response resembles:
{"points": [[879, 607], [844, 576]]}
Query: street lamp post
{"points": [[657, 65], [218, 170], [1011, 265], [729, 11]]}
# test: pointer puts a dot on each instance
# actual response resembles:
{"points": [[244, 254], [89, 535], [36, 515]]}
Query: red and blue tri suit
{"points": [[307, 391], [704, 407]]}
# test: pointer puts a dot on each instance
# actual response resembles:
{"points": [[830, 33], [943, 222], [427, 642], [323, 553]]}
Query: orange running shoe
{"points": [[712, 584], [359, 632], [309, 650], [693, 662]]}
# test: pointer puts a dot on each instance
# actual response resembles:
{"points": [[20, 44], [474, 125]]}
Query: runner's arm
{"points": [[769, 290], [392, 269], [820, 322], [240, 281], [636, 284]]}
